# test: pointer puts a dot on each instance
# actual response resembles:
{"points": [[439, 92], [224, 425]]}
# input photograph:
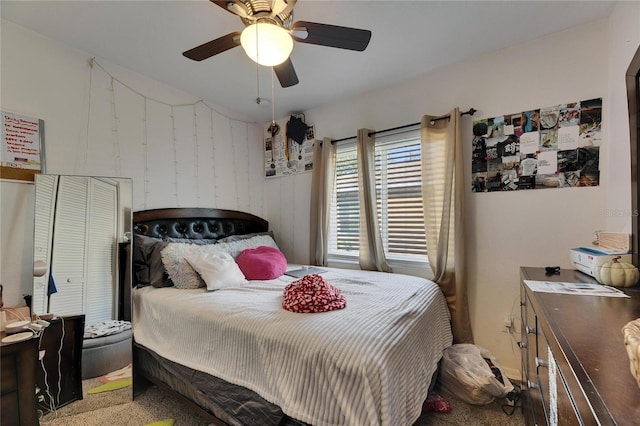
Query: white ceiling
{"points": [[409, 38]]}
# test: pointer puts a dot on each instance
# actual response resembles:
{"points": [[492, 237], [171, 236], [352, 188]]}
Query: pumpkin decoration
{"points": [[631, 333], [617, 274]]}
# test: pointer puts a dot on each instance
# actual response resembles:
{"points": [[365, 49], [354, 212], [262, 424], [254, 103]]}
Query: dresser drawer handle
{"points": [[522, 345], [531, 330], [542, 362]]}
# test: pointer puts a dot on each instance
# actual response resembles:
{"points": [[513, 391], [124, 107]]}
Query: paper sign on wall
{"points": [[21, 153]]}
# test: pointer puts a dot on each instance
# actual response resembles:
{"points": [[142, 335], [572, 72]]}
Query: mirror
{"points": [[633, 93], [82, 263]]}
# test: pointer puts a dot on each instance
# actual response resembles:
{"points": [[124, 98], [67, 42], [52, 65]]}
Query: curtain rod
{"points": [[471, 111]]}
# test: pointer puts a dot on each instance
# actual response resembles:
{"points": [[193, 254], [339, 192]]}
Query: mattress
{"points": [[368, 364]]}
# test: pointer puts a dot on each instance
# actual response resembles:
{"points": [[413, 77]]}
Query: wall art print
{"points": [[552, 147]]}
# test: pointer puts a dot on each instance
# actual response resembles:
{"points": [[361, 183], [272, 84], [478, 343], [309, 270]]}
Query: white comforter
{"points": [[368, 364]]}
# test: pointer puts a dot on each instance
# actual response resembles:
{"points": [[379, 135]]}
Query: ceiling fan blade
{"points": [[213, 47], [332, 35], [286, 74], [234, 7]]}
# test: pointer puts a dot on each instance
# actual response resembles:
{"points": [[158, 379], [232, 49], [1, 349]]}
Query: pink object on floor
{"points": [[123, 373], [436, 403]]}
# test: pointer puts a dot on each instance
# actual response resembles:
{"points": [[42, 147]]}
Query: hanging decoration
{"points": [[149, 146], [117, 162], [196, 152], [552, 147], [175, 157], [291, 152]]}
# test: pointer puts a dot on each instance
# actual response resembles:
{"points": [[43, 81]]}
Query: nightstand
{"points": [[18, 382]]}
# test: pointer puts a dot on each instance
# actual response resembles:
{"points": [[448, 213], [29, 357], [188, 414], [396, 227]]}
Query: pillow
{"points": [[147, 262], [262, 263], [232, 238], [235, 247], [181, 273], [189, 241], [217, 270]]}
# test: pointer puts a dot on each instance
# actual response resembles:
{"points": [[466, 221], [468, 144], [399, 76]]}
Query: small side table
{"points": [[62, 343]]}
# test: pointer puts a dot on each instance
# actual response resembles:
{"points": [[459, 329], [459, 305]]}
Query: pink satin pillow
{"points": [[262, 263]]}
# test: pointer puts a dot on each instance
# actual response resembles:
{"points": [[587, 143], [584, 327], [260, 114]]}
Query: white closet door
{"points": [[43, 226], [69, 243], [101, 252]]}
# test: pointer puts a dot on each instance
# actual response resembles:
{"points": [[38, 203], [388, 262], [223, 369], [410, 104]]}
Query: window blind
{"points": [[398, 195]]}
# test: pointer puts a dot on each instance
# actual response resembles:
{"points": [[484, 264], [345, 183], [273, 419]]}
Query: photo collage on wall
{"points": [[553, 147], [284, 156]]}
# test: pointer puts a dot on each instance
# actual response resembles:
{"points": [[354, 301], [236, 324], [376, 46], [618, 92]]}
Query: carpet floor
{"points": [[116, 408]]}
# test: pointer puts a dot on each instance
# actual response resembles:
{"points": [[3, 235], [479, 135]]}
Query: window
{"points": [[398, 194]]}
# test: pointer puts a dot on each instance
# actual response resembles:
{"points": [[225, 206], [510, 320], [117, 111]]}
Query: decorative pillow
{"points": [[217, 270], [147, 262], [262, 263], [179, 270], [234, 248]]}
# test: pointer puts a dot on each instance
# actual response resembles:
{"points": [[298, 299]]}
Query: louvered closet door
{"points": [[69, 243], [101, 252], [43, 225]]}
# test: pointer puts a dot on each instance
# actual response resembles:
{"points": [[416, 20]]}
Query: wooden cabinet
{"points": [[575, 369], [18, 383], [62, 343]]}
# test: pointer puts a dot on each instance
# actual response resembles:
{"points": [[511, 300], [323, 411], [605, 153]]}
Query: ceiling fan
{"points": [[269, 34]]}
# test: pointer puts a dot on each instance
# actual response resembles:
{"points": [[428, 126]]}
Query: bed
{"points": [[236, 357]]}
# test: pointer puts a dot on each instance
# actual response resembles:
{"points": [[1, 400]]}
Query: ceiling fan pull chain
{"points": [[274, 128], [273, 100], [257, 48], [258, 99]]}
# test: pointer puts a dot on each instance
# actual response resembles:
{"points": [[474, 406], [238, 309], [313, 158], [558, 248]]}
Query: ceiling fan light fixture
{"points": [[266, 43]]}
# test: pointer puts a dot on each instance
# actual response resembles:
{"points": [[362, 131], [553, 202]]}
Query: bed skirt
{"points": [[233, 404]]}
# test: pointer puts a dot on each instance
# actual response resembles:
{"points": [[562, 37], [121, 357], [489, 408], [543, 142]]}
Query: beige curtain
{"points": [[322, 182], [443, 198], [372, 256]]}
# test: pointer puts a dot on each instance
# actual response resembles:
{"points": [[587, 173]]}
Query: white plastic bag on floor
{"points": [[473, 375]]}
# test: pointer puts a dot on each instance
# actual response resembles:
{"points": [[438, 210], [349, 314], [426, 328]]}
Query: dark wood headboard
{"points": [[196, 223]]}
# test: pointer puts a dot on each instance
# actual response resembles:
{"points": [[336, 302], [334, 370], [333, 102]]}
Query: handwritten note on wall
{"points": [[22, 146]]}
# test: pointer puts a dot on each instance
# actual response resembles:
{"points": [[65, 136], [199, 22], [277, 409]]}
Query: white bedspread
{"points": [[368, 364]]}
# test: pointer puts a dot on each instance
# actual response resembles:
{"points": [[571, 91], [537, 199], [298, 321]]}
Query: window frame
{"points": [[417, 266]]}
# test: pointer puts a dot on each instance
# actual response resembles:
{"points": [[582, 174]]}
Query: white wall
{"points": [[192, 155], [508, 230], [624, 36]]}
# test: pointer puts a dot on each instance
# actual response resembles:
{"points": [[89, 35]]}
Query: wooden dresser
{"points": [[18, 401], [575, 368]]}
